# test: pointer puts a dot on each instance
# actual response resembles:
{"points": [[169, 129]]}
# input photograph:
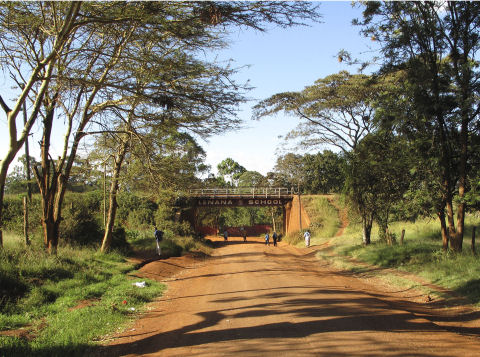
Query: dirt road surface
{"points": [[255, 300]]}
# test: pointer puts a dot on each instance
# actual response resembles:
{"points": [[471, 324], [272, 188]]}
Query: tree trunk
{"points": [[455, 243], [5, 163], [273, 219], [366, 228], [48, 63], [441, 217], [112, 210], [462, 182]]}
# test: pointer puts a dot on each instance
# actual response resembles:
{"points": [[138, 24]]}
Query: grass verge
{"points": [[421, 254], [59, 305]]}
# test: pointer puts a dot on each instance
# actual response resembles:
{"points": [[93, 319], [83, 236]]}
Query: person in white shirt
{"points": [[306, 235]]}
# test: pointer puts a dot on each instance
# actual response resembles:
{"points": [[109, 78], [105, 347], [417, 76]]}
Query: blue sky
{"points": [[283, 60], [279, 60]]}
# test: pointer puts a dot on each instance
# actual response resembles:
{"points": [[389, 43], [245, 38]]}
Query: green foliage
{"points": [[81, 222], [336, 110], [13, 213], [236, 216], [230, 170], [290, 168], [252, 179], [324, 172], [324, 217], [378, 176], [433, 103]]}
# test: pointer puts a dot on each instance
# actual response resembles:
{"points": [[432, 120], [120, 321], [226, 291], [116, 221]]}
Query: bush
{"points": [[13, 214], [80, 223], [135, 212], [119, 240]]}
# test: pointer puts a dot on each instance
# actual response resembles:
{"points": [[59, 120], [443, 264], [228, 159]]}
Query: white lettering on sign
{"points": [[265, 202], [215, 203], [241, 202]]}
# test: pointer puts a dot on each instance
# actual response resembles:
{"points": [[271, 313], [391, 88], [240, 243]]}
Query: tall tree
{"points": [[324, 172], [33, 35], [436, 44], [378, 178], [252, 179], [336, 111], [290, 168], [110, 35]]}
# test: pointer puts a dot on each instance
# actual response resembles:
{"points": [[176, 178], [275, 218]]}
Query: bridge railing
{"points": [[254, 192]]}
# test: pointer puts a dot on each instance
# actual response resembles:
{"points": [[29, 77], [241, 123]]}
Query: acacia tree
{"points": [[336, 111], [112, 34], [436, 44], [33, 35], [324, 172], [195, 96], [378, 179], [81, 75], [148, 124]]}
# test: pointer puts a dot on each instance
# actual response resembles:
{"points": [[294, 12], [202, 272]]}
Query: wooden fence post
{"points": [[25, 220]]}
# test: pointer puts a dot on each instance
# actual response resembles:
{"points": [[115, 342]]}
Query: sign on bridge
{"points": [[220, 202], [242, 196], [249, 197]]}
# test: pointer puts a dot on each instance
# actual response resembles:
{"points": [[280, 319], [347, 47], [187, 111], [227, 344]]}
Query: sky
{"points": [[283, 60], [276, 61]]}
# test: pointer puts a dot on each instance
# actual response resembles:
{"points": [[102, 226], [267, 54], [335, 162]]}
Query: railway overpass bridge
{"points": [[294, 216]]}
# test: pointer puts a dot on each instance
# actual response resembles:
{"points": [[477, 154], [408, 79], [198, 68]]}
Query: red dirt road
{"points": [[253, 300]]}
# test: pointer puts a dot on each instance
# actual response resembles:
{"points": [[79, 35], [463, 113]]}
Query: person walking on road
{"points": [[267, 239], [306, 235], [244, 234], [274, 236], [158, 234], [225, 235]]}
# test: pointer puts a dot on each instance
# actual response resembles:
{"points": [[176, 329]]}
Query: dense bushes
{"points": [[81, 219], [13, 213], [82, 215]]}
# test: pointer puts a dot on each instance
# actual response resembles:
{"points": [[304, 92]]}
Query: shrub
{"points": [[13, 213], [119, 240], [80, 223]]}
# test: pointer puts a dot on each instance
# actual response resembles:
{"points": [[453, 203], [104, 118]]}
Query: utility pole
{"points": [[27, 169], [27, 155], [105, 194], [299, 208]]}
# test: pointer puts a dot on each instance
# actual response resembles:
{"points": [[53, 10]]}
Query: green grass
{"points": [[324, 217], [143, 241], [65, 302], [421, 254]]}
